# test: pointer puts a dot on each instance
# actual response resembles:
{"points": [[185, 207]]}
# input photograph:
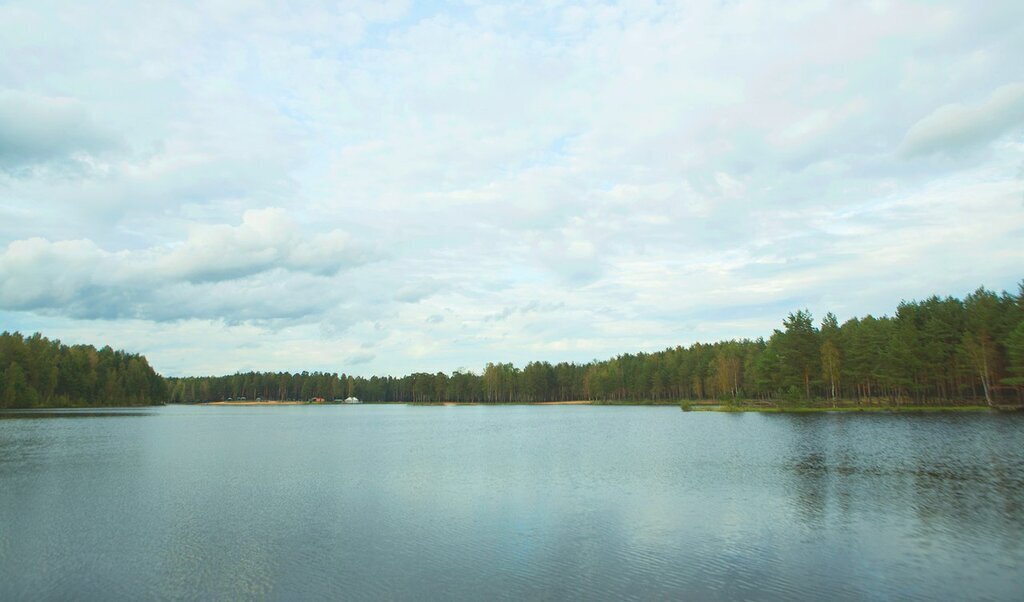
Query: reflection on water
{"points": [[931, 465], [516, 502], [37, 413]]}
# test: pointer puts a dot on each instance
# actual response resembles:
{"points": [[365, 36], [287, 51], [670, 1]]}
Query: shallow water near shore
{"points": [[477, 502]]}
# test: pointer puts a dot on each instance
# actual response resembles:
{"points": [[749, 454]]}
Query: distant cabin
{"points": [[352, 400], [318, 400]]}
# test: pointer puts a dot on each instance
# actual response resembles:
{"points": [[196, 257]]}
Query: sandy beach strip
{"points": [[513, 403], [446, 403], [560, 403], [258, 403]]}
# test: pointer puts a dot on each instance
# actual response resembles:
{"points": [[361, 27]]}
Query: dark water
{"points": [[478, 503]]}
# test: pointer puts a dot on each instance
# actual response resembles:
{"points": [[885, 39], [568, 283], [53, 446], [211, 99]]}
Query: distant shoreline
{"points": [[258, 403], [686, 407], [502, 403], [846, 409], [425, 403], [692, 407]]}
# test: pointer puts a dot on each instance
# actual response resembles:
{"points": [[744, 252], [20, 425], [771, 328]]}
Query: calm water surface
{"points": [[478, 503]]}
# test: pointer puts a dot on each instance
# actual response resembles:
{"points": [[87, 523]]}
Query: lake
{"points": [[518, 502]]}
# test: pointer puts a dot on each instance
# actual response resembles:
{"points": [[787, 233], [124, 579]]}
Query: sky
{"points": [[387, 187]]}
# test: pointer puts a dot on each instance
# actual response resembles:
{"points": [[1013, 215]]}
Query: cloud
{"points": [[262, 269], [500, 316], [956, 127], [36, 273], [417, 291], [556, 182], [357, 359], [266, 239], [530, 307], [37, 129]]}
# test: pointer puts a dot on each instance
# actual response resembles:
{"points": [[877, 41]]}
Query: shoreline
{"points": [[487, 403], [684, 406], [847, 409], [259, 403], [524, 403]]}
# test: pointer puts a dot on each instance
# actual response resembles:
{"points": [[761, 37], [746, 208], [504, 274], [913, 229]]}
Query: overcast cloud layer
{"points": [[387, 187]]}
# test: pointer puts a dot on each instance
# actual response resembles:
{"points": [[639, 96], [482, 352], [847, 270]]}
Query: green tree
{"points": [[830, 354], [1015, 363], [979, 341], [798, 350], [830, 368]]}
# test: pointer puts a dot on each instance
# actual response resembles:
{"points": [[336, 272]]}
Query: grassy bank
{"points": [[807, 409], [746, 406], [690, 406]]}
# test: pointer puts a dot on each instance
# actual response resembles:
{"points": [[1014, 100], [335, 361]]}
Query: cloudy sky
{"points": [[385, 187]]}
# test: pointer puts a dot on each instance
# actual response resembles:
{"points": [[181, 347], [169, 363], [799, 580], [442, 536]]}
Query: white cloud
{"points": [[357, 359], [455, 185], [234, 273], [36, 272], [37, 130], [266, 239], [956, 127], [417, 291]]}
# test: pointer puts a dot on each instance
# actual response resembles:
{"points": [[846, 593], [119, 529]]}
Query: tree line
{"points": [[39, 372], [936, 351]]}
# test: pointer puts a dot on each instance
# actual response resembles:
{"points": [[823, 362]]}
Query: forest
{"points": [[38, 372], [940, 351]]}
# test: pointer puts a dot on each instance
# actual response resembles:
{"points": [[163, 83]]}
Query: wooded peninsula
{"points": [[936, 352]]}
